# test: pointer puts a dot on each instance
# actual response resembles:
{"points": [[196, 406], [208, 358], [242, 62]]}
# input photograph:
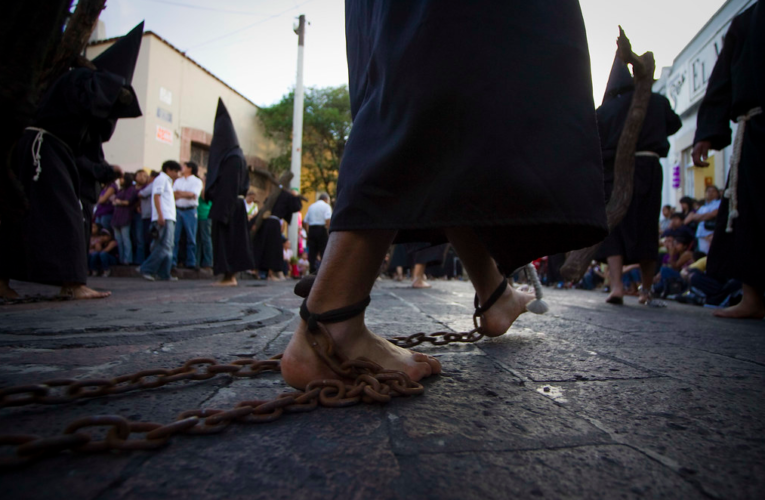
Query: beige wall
{"points": [[126, 147], [193, 94]]}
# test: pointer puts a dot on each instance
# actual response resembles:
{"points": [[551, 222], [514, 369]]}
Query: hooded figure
{"points": [[49, 245], [620, 80], [635, 239], [227, 182], [119, 60], [734, 90], [268, 241]]}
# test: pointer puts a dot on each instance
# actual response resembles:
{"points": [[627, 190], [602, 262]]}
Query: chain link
{"points": [[370, 384]]}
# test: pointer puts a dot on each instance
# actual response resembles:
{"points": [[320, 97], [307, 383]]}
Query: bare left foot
{"points": [[498, 319], [81, 292], [301, 365], [741, 311]]}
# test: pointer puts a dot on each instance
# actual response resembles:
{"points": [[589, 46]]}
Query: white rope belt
{"points": [[648, 153], [36, 147], [738, 143]]}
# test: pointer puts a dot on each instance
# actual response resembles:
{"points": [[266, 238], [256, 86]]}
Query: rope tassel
{"points": [[536, 306]]}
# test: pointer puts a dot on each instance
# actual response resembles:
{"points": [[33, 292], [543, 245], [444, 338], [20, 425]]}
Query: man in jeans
{"points": [[187, 189], [160, 260]]}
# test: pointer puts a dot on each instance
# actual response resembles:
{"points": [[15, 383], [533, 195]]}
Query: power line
{"points": [[200, 7], [250, 26]]}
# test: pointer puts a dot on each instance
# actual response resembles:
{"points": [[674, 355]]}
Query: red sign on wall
{"points": [[164, 135]]}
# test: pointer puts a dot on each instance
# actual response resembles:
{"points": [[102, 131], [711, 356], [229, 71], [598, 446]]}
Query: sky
{"points": [[250, 44]]}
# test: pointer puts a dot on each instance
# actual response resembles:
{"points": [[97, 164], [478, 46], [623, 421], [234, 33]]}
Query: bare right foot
{"points": [[741, 311], [498, 319], [6, 292], [300, 364], [616, 296], [226, 282], [421, 283]]}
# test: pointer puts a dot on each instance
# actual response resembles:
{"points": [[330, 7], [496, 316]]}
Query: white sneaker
{"points": [[148, 277]]}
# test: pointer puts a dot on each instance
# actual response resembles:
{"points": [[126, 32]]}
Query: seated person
{"points": [[668, 280], [102, 254], [594, 276], [631, 279], [303, 264]]}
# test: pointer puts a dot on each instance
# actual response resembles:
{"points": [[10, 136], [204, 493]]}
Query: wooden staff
{"points": [[643, 67]]}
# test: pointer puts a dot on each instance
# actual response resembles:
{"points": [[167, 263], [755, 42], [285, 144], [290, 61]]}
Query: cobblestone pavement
{"points": [[587, 401]]}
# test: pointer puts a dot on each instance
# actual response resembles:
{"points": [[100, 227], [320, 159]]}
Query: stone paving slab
{"points": [[587, 401]]}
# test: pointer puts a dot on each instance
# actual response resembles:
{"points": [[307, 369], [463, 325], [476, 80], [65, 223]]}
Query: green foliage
{"points": [[326, 125]]}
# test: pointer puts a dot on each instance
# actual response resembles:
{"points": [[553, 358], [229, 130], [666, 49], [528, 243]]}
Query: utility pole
{"points": [[297, 129]]}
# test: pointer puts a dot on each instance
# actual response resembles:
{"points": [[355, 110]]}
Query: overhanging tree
{"points": [[326, 125]]}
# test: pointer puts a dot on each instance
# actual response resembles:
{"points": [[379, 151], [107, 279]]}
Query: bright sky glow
{"points": [[250, 44]]}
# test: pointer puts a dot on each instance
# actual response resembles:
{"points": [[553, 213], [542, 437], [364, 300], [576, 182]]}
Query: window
{"points": [[200, 154]]}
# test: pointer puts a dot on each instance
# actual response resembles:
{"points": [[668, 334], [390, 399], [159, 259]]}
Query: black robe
{"points": [[48, 246], [231, 242], [268, 242], [472, 114], [734, 89], [636, 236]]}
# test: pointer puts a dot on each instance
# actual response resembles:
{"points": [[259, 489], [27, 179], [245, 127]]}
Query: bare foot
{"points": [[80, 292], [741, 311], [497, 320], [226, 281], [645, 298], [616, 297], [6, 292], [421, 283], [300, 364]]}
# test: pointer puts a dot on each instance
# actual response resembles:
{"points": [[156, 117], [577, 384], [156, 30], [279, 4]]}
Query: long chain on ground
{"points": [[370, 384]]}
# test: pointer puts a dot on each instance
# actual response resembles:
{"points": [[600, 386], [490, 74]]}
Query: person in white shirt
{"points": [[159, 262], [187, 189], [317, 224], [705, 213]]}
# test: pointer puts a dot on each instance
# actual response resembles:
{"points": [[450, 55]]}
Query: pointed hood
{"points": [[620, 80], [224, 142], [120, 60]]}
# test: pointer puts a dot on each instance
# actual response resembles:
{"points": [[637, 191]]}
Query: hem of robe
{"points": [[511, 244]]}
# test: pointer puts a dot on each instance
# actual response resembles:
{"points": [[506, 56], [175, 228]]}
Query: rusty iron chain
{"points": [[441, 338], [371, 383]]}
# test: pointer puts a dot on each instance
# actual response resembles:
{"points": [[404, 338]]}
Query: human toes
{"points": [[427, 364], [435, 365]]}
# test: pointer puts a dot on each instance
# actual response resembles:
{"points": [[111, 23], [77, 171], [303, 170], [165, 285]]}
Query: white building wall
{"points": [[175, 94], [685, 83]]}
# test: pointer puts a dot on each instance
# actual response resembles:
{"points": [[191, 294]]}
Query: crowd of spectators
{"points": [[685, 237], [126, 229]]}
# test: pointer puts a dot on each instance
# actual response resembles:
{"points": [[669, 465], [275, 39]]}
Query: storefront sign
{"points": [[165, 115], [676, 177], [165, 96], [164, 135]]}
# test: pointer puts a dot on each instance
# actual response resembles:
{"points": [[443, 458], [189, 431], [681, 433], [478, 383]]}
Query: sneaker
{"points": [[107, 273], [148, 277], [172, 278]]}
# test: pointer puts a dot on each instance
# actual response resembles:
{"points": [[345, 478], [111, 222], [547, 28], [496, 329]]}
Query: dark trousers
{"points": [[317, 242]]}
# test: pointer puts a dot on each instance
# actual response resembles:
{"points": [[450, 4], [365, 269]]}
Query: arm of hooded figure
{"points": [[713, 122]]}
